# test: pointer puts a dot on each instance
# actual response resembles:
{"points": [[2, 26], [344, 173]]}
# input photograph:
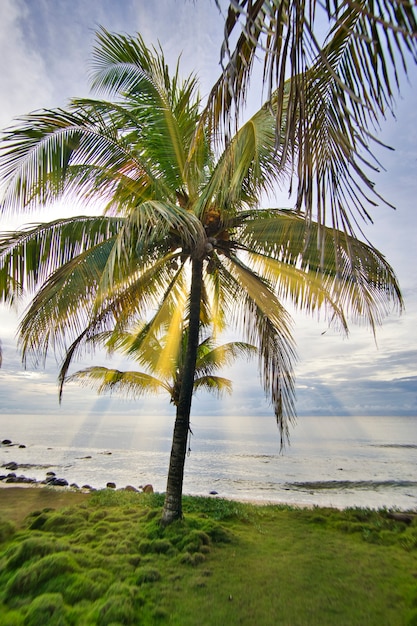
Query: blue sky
{"points": [[45, 47]]}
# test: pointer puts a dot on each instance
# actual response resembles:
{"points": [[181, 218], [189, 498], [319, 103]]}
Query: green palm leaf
{"points": [[210, 358], [166, 106], [129, 384], [253, 307], [214, 384], [327, 93], [343, 272], [158, 378], [29, 256]]}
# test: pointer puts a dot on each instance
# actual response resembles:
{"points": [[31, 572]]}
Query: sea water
{"points": [[331, 461]]}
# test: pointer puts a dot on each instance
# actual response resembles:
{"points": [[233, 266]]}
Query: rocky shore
{"points": [[10, 475]]}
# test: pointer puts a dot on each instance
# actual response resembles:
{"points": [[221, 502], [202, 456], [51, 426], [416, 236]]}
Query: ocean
{"points": [[331, 461]]}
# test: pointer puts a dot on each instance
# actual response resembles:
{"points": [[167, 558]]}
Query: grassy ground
{"points": [[103, 559]]}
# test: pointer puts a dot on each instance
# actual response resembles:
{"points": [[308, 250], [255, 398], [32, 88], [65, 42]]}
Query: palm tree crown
{"points": [[163, 368]]}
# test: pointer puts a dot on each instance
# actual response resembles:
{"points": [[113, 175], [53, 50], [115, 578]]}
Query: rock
{"points": [[407, 518], [50, 474], [214, 493], [11, 479], [60, 482], [130, 488], [111, 485], [23, 479], [22, 445], [11, 466], [11, 475], [87, 487], [147, 489], [74, 486], [6, 442], [52, 481]]}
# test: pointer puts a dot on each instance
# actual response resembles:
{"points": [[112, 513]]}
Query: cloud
{"points": [[24, 77], [358, 398]]}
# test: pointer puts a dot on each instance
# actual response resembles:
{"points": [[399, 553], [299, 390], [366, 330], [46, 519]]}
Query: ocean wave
{"points": [[412, 446], [11, 465], [256, 456], [344, 485]]}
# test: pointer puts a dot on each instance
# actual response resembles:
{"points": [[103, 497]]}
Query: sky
{"points": [[45, 49]]}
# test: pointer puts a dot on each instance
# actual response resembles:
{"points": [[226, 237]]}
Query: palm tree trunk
{"points": [[173, 498]]}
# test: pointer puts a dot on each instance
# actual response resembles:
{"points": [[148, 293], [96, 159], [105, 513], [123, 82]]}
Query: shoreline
{"points": [[251, 501], [71, 489], [61, 485], [260, 479]]}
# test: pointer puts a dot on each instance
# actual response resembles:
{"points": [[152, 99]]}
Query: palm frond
{"points": [[115, 316], [308, 291], [168, 108], [28, 256], [210, 359], [252, 306], [250, 165], [171, 315], [71, 300], [91, 151], [326, 94], [156, 343], [149, 352], [42, 157], [130, 384], [383, 32], [214, 384], [315, 266]]}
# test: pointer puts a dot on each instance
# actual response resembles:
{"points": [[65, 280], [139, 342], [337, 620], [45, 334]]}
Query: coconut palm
{"points": [[182, 236], [345, 60], [163, 368]]}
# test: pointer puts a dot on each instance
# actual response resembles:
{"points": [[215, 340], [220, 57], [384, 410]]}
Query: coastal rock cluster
{"points": [[51, 479]]}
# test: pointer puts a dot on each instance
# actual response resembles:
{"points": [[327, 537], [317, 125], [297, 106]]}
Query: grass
{"points": [[69, 559]]}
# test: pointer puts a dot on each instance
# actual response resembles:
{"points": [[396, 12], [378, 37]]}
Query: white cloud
{"points": [[24, 77]]}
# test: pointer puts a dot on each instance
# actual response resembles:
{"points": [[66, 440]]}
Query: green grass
{"points": [[104, 559]]}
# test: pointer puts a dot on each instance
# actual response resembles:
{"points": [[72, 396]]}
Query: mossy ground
{"points": [[105, 560]]}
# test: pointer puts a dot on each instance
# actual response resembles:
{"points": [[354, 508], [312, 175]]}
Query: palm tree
{"points": [[182, 236], [163, 364], [340, 64]]}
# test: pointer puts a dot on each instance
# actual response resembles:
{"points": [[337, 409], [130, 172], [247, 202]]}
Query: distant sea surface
{"points": [[331, 461]]}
